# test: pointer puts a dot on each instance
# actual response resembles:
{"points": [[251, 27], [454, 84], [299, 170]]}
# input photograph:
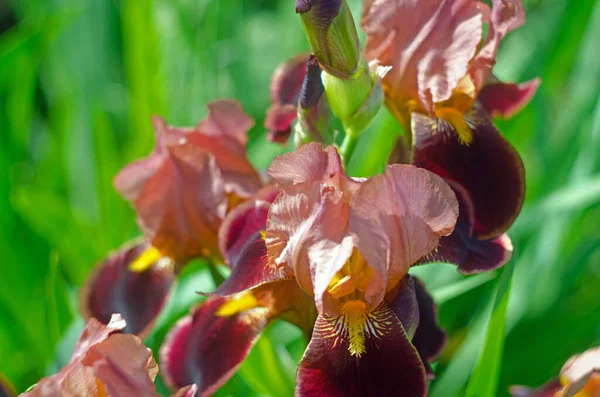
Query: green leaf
{"points": [[485, 375]]}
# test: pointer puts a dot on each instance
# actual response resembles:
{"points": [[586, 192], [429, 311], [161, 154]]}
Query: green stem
{"points": [[216, 276], [348, 146]]}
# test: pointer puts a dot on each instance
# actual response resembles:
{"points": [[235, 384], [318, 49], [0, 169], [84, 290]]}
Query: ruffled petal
{"points": [[504, 100], [138, 296], [181, 191], [311, 163], [506, 15], [488, 168], [387, 364], [103, 363], [428, 43], [414, 208], [429, 338], [244, 249], [307, 236]]}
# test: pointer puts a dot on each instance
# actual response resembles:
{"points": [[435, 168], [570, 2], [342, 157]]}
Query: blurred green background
{"points": [[80, 79]]}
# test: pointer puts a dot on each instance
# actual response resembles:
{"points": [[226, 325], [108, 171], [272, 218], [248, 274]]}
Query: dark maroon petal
{"points": [[206, 349], [279, 121], [548, 389], [244, 249], [312, 87], [389, 364], [138, 296], [470, 254], [488, 168], [429, 338], [6, 389], [403, 301], [500, 99], [327, 9]]}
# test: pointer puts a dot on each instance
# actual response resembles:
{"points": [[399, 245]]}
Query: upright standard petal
{"points": [[505, 16], [386, 365], [103, 363], [488, 168], [414, 209], [504, 100], [311, 163], [138, 296], [182, 190], [428, 43], [286, 86]]}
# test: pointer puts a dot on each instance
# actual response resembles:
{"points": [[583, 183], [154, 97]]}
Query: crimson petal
{"points": [[138, 296], [244, 249], [206, 349], [500, 99], [286, 85], [489, 168], [429, 338], [389, 365]]}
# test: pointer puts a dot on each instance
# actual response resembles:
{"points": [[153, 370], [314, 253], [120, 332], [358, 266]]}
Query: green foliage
{"points": [[79, 81]]}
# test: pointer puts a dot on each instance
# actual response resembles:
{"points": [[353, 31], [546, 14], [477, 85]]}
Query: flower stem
{"points": [[348, 146]]}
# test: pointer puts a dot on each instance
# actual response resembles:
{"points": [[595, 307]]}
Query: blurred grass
{"points": [[79, 80]]}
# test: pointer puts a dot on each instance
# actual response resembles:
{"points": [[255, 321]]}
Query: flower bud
{"points": [[331, 33], [314, 114]]}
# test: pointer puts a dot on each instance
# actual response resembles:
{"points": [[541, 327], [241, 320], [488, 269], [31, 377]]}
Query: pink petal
{"points": [[506, 15], [413, 209], [124, 365], [226, 118], [428, 43], [307, 234], [311, 163]]}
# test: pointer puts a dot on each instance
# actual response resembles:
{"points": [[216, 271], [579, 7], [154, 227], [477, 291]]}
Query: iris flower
{"points": [[579, 377], [106, 363], [328, 253], [442, 90], [181, 193]]}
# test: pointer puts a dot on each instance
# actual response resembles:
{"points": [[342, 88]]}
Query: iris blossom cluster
{"points": [[308, 243]]}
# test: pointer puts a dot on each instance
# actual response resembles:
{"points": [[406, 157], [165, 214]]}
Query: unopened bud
{"points": [[331, 33]]}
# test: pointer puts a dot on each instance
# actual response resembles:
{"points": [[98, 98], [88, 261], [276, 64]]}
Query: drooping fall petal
{"points": [[414, 208], [206, 349], [429, 337], [208, 346], [103, 362], [286, 85], [138, 296], [387, 364], [182, 190], [469, 253], [428, 43], [488, 168], [504, 100]]}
